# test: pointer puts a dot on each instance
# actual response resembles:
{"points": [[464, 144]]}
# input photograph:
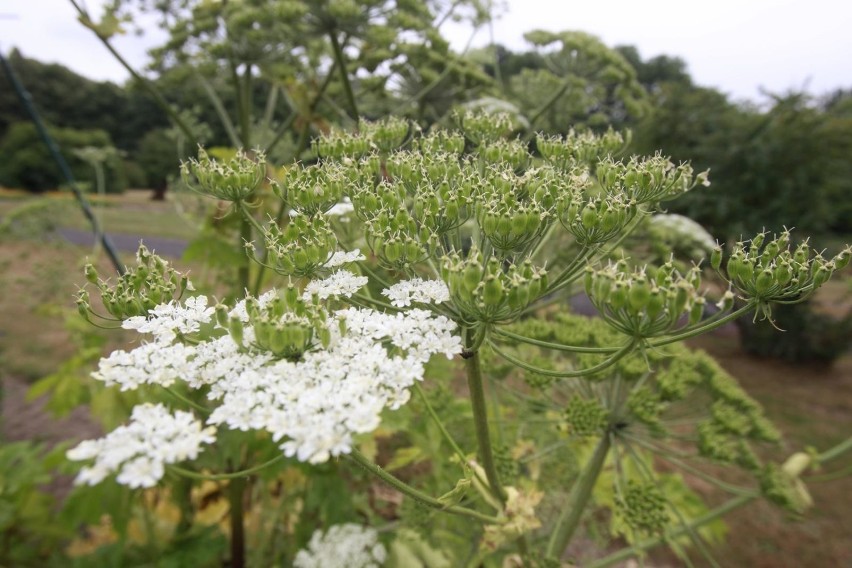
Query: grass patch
{"points": [[812, 406], [133, 212]]}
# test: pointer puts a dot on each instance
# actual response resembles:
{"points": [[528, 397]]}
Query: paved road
{"points": [[127, 243]]}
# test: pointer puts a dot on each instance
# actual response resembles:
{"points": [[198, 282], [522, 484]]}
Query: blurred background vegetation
{"points": [[783, 162]]}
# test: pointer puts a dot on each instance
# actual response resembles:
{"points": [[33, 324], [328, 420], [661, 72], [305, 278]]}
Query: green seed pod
{"points": [[393, 250], [697, 310], [656, 303], [802, 254], [716, 258], [842, 259], [783, 273], [764, 282], [589, 217], [492, 293], [746, 271], [589, 280], [618, 298], [472, 276], [678, 298], [235, 329], [726, 302], [639, 294], [822, 274], [519, 225]]}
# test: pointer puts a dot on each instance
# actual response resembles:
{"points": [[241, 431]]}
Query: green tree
{"points": [[27, 163]]}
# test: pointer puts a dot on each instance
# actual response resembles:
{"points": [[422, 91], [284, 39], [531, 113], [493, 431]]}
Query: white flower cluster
{"points": [[340, 283], [345, 207], [684, 229], [139, 450], [166, 320], [403, 293], [340, 258], [312, 407], [342, 546]]}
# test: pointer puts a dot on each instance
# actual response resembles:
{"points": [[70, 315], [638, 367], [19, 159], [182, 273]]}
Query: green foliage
{"points": [[809, 336], [29, 531], [29, 165], [34, 219]]}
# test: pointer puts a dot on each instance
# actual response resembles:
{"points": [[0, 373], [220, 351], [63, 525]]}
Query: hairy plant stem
{"points": [[480, 420], [578, 499], [416, 494], [344, 76], [236, 492]]}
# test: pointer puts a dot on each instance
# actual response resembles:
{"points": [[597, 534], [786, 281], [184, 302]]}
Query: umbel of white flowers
{"points": [[341, 369]]}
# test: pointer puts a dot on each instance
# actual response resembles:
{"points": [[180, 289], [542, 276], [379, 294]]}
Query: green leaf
{"points": [[404, 457]]}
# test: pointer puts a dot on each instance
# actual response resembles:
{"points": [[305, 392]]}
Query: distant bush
{"points": [[809, 336], [27, 163]]}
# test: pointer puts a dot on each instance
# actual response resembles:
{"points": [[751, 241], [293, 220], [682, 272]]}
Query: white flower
{"points": [[167, 319], [311, 407], [339, 209], [342, 546], [403, 293], [150, 363], [684, 229], [139, 450], [340, 258], [340, 283]]}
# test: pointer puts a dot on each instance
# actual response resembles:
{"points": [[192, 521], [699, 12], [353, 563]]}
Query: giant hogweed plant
{"points": [[405, 248]]}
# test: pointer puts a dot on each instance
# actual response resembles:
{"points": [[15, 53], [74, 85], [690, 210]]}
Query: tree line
{"points": [[765, 161]]}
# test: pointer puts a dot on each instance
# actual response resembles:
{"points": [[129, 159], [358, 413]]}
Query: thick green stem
{"points": [[578, 500], [344, 76], [480, 419], [236, 491], [416, 494]]}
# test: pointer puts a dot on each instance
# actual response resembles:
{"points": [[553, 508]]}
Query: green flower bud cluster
{"points": [[395, 239], [773, 271], [287, 326], [639, 304], [339, 145], [234, 180], [386, 135], [513, 212], [784, 488], [314, 189], [139, 290], [301, 249], [578, 149], [585, 416], [442, 142], [643, 507], [648, 180], [511, 153], [595, 220], [718, 438], [481, 128], [680, 377], [645, 406], [383, 136], [507, 466], [487, 290]]}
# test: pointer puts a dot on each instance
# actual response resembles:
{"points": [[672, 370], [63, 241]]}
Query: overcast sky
{"points": [[737, 46]]}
